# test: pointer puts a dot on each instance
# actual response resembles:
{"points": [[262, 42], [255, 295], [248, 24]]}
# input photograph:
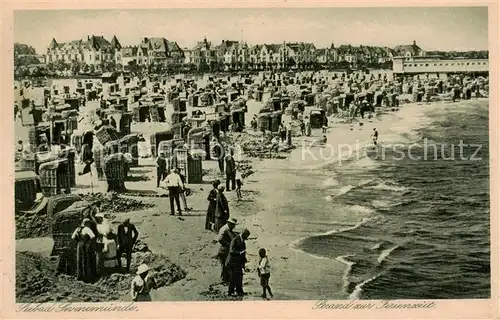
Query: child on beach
{"points": [[239, 183], [264, 271]]}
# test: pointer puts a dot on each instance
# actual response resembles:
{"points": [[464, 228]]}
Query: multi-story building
{"points": [[159, 51], [270, 54], [127, 55], [203, 53], [408, 51], [94, 51], [187, 55], [416, 65], [254, 55], [227, 52]]}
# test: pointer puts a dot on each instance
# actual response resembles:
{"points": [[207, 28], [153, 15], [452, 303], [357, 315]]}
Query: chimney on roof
{"points": [[414, 42], [88, 38]]}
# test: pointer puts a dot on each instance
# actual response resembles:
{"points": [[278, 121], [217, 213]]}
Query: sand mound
{"points": [[113, 202], [31, 225], [36, 281]]}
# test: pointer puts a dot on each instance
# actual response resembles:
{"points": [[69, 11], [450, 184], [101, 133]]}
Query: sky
{"points": [[433, 28]]}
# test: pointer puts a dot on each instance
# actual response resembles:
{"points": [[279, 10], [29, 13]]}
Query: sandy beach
{"points": [[295, 274]]}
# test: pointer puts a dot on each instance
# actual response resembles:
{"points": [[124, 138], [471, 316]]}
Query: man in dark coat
{"points": [[230, 172], [127, 236], [219, 154], [236, 261], [212, 203], [221, 209], [161, 168]]}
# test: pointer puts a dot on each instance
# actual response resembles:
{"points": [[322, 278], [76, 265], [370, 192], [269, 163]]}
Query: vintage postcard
{"points": [[286, 160]]}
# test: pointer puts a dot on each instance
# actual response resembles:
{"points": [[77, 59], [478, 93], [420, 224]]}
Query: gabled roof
{"points": [[173, 46], [158, 44], [53, 44], [99, 42], [413, 49], [143, 50], [115, 43], [226, 45]]}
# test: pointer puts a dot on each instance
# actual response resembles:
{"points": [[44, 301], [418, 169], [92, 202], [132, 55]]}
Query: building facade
{"points": [[94, 51], [405, 65], [159, 51]]}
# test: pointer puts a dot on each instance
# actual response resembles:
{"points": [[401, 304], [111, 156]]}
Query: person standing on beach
{"points": [[109, 253], [325, 125], [282, 131], [183, 191], [219, 154], [289, 134], [212, 202], [221, 209], [86, 265], [174, 185], [239, 183], [127, 236], [375, 136], [236, 263], [264, 272], [230, 171], [226, 235], [161, 168]]}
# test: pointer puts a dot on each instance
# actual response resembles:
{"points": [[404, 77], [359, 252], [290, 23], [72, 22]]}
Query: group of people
{"points": [[233, 259], [99, 250]]}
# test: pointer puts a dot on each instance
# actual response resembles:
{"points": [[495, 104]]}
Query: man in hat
{"points": [[127, 236], [236, 261], [226, 235], [142, 284], [174, 184]]}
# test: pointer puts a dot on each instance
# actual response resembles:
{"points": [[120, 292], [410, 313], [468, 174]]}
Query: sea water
{"points": [[405, 227]]}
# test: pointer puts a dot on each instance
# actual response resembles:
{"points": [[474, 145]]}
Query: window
{"points": [[435, 64], [426, 64], [467, 63], [473, 63]]}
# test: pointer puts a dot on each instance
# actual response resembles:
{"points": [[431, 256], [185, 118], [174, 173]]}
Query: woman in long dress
{"points": [[221, 209], [86, 264], [212, 203]]}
